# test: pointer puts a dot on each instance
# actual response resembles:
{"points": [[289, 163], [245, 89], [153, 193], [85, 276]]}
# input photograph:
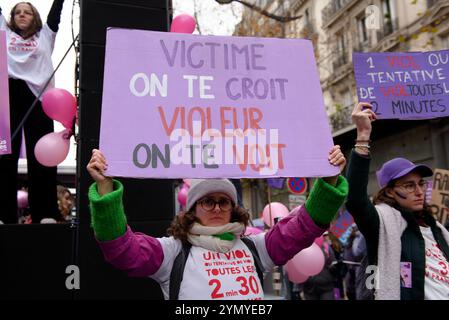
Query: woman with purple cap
{"points": [[205, 256], [408, 246]]}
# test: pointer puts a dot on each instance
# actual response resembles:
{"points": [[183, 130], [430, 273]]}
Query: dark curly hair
{"points": [[182, 223], [35, 26]]}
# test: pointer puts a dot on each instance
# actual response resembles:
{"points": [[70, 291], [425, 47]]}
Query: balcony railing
{"points": [[333, 8], [341, 119]]}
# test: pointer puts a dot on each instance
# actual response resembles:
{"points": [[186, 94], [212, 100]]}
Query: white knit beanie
{"points": [[201, 187]]}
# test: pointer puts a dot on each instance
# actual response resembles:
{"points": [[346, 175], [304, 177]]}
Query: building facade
{"points": [[402, 26], [338, 28]]}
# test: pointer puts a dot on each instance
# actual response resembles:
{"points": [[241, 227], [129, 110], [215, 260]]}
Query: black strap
{"points": [[252, 247], [177, 271]]}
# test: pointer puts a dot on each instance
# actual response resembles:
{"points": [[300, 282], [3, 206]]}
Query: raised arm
{"points": [[54, 15], [97, 167], [305, 224], [135, 253], [358, 204]]}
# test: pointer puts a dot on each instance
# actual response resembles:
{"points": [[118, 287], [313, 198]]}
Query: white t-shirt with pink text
{"points": [[30, 59], [436, 282], [209, 275]]}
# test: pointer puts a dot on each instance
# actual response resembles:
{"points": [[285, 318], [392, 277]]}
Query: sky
{"points": [[214, 19]]}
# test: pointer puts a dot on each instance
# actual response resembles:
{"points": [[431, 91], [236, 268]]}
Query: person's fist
{"points": [[96, 168]]}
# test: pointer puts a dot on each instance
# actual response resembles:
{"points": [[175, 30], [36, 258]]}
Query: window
{"points": [[431, 3], [341, 43], [445, 41], [389, 17], [346, 98], [339, 4], [361, 27], [341, 52]]}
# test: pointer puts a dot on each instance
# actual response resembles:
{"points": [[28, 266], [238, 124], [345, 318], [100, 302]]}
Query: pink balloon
{"points": [[278, 210], [22, 199], [309, 261], [53, 148], [252, 230], [319, 241], [185, 186], [182, 196], [183, 23], [186, 182], [60, 105], [293, 274]]}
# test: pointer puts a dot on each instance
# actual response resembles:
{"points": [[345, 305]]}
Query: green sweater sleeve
{"points": [[107, 212], [325, 200]]}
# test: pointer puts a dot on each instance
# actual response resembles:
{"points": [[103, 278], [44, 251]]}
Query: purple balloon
{"points": [[53, 148], [22, 199], [183, 23], [60, 105]]}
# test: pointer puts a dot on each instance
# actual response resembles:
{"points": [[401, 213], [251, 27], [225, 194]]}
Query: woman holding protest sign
{"points": [[29, 48], [408, 246], [205, 257]]}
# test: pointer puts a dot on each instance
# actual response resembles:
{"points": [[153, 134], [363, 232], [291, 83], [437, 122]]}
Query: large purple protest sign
{"points": [[408, 86], [5, 133], [181, 105]]}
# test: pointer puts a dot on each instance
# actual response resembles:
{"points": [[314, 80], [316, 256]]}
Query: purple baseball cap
{"points": [[399, 167]]}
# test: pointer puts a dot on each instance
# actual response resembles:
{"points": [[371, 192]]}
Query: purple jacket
{"points": [[141, 255]]}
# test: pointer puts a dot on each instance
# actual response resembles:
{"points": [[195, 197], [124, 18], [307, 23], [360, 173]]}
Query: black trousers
{"points": [[42, 198]]}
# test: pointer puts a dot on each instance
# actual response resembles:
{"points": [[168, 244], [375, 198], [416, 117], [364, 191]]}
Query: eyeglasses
{"points": [[208, 204], [411, 186]]}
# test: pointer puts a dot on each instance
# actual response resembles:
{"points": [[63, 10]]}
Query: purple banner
{"points": [[408, 86], [5, 133], [185, 106], [276, 183]]}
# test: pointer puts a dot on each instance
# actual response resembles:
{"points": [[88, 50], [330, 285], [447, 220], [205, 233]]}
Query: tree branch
{"points": [[198, 26], [261, 11]]}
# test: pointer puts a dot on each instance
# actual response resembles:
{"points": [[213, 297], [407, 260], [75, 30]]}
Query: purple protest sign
{"points": [[180, 105], [341, 224], [408, 86], [276, 183], [5, 133]]}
